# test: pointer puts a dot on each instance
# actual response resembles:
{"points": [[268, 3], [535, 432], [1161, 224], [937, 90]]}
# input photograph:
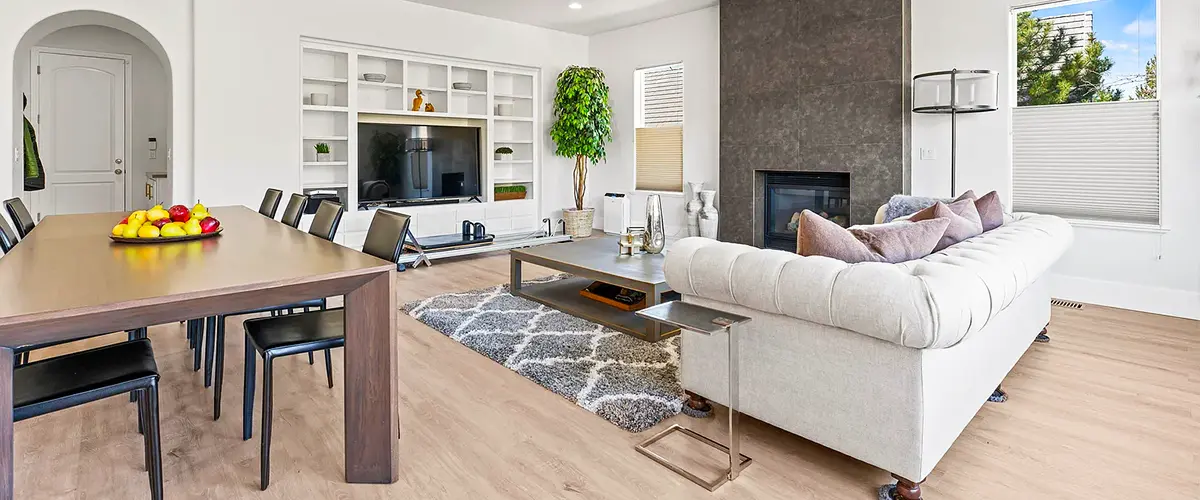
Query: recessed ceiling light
{"points": [[575, 5]]}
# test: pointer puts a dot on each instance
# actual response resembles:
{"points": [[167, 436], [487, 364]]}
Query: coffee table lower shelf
{"points": [[564, 295]]}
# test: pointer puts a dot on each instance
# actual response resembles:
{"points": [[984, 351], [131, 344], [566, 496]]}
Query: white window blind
{"points": [[1097, 161], [659, 136]]}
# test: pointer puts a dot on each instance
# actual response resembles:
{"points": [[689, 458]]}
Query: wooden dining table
{"points": [[68, 280]]}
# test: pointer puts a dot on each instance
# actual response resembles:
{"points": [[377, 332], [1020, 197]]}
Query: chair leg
{"points": [[191, 333], [153, 436], [133, 395], [248, 393], [265, 472], [198, 335], [143, 401], [329, 367], [220, 367], [141, 406], [210, 332]]}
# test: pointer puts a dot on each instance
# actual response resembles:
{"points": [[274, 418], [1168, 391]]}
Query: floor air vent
{"points": [[1066, 303]]}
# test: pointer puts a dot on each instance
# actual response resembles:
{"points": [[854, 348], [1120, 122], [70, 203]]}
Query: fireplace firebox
{"points": [[786, 194]]}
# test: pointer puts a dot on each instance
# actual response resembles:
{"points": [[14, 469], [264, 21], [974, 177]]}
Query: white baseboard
{"points": [[1167, 301]]}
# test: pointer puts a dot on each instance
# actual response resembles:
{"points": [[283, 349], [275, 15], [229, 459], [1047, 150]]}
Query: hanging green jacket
{"points": [[35, 175]]}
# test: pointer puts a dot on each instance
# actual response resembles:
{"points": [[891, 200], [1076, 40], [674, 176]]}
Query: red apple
{"points": [[209, 224], [160, 223], [179, 213], [125, 220]]}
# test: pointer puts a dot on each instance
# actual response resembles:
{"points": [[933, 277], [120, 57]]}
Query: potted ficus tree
{"points": [[582, 126]]}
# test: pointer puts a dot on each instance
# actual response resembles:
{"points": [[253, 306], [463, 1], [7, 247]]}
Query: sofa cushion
{"points": [[893, 242], [933, 302], [963, 217], [991, 211]]}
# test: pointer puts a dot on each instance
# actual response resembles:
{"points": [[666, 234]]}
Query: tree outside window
{"points": [[1063, 57]]}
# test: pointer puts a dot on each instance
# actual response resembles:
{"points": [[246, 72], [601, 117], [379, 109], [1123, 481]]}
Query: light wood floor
{"points": [[1109, 409]]}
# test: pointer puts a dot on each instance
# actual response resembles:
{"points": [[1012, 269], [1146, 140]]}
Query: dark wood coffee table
{"points": [[595, 259]]}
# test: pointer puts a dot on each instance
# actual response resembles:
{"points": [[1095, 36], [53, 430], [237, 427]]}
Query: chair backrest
{"points": [[294, 209], [270, 202], [8, 238], [20, 216], [325, 222], [385, 237]]}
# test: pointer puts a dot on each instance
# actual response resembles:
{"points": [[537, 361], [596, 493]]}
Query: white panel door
{"points": [[81, 134]]}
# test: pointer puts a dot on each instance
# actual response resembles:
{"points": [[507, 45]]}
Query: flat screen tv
{"points": [[414, 163]]}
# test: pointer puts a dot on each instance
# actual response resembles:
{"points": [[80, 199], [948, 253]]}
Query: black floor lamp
{"points": [[955, 92]]}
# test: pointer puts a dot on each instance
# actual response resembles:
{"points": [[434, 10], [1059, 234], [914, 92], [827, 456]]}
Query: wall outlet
{"points": [[928, 154]]}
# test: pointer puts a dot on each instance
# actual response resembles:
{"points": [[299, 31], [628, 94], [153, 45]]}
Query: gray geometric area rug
{"points": [[632, 383]]}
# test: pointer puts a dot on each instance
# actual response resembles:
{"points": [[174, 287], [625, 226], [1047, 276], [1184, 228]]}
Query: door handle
{"points": [[118, 171], [120, 161]]}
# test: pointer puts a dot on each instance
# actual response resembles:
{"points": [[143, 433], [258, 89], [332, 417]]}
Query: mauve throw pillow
{"points": [[991, 211], [963, 217], [894, 242]]}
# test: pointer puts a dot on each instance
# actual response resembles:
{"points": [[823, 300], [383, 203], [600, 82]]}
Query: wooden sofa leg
{"points": [[696, 406], [1042, 337], [906, 490]]}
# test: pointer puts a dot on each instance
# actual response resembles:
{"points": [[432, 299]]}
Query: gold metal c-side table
{"points": [[704, 321]]}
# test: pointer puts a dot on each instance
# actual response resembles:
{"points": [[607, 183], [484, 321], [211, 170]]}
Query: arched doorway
{"points": [[99, 92]]}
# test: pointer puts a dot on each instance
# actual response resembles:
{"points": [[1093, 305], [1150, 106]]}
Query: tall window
{"points": [[1086, 125], [659, 122]]}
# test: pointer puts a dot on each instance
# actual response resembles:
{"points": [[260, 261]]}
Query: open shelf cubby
{"points": [[438, 98], [505, 130], [468, 103], [427, 76], [478, 78], [393, 68]]}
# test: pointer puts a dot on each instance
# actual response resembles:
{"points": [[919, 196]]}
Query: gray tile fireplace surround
{"points": [[812, 85]]}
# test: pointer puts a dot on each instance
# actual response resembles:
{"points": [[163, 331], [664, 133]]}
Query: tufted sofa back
{"points": [[934, 302]]}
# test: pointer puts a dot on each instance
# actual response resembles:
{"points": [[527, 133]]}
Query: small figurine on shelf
{"points": [[429, 107], [417, 102]]}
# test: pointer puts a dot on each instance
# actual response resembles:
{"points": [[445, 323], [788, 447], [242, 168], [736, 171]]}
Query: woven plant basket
{"points": [[579, 222]]}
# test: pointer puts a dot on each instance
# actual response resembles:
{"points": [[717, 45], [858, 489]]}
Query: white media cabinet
{"points": [[336, 69]]}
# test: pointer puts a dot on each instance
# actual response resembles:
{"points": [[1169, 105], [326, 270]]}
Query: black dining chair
{"points": [[305, 332], [20, 216], [294, 210], [8, 237], [324, 225], [270, 202], [63, 382]]}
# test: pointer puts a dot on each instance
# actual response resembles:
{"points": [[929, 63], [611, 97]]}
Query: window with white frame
{"points": [[1085, 131], [659, 124]]}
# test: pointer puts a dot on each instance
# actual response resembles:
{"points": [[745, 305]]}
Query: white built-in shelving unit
{"points": [[336, 69]]}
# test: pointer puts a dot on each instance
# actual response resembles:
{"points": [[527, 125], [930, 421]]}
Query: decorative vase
{"points": [[708, 214], [578, 222], [324, 157], [692, 209], [656, 233]]}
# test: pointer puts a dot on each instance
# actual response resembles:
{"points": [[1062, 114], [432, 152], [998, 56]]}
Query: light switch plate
{"points": [[928, 154]]}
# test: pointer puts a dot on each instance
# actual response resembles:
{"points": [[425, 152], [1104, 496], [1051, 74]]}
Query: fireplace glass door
{"points": [[788, 194]]}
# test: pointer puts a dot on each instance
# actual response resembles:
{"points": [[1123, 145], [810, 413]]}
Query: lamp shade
{"points": [[955, 91]]}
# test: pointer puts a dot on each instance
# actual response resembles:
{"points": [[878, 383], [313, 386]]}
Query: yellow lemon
{"points": [[138, 216], [119, 229], [131, 230], [147, 231], [172, 230], [192, 227]]}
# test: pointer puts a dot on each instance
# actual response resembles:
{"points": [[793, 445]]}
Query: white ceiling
{"points": [[596, 16]]}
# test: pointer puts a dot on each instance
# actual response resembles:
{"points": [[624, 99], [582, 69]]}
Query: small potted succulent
{"points": [[514, 192], [323, 154], [504, 153]]}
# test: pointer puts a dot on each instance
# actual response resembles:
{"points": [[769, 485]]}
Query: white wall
{"points": [[1130, 269], [150, 88], [694, 40], [247, 87], [165, 27]]}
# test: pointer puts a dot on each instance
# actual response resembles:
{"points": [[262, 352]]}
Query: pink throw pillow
{"points": [[963, 217], [991, 212], [894, 242]]}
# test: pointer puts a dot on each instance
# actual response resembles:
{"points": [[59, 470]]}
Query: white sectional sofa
{"points": [[886, 363]]}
